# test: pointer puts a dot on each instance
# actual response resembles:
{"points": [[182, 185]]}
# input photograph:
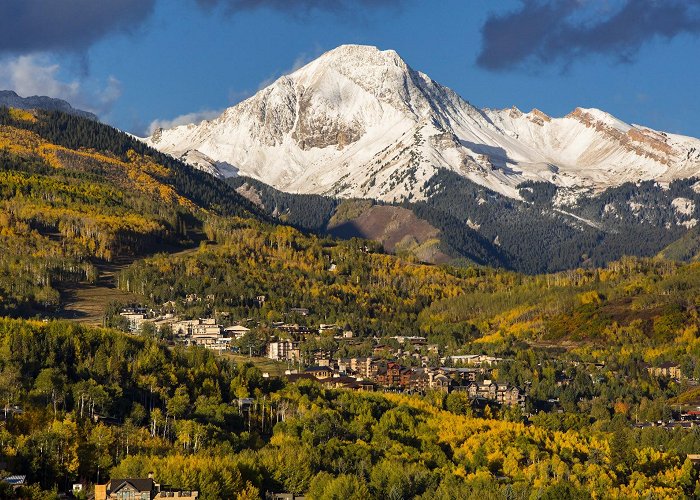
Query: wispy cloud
{"points": [[185, 119], [560, 32]]}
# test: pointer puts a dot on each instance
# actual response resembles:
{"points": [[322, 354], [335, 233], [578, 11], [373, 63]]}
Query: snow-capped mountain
{"points": [[591, 148], [359, 122]]}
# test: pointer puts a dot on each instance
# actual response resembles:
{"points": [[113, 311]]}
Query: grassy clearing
{"points": [[266, 365]]}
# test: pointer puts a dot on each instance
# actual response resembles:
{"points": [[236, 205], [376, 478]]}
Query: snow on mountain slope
{"points": [[592, 148], [359, 122]]}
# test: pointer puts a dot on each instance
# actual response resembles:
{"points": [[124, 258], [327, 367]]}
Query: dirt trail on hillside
{"points": [[87, 302]]}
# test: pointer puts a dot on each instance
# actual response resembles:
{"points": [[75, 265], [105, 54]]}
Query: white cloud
{"points": [[36, 74], [185, 119]]}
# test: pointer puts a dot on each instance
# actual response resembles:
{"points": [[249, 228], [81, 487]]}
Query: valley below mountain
{"points": [[233, 266], [97, 227]]}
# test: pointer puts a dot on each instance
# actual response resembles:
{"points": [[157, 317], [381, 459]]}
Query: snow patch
{"points": [[683, 206], [578, 218], [635, 207]]}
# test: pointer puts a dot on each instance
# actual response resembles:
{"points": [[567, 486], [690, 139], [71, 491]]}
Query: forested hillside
{"points": [[303, 211], [539, 234], [347, 218], [652, 302], [82, 404], [96, 403], [74, 191]]}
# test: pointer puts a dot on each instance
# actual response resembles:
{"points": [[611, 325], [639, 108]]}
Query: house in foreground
{"points": [[140, 489], [15, 481]]}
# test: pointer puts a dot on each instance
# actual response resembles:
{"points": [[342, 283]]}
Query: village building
{"points": [[419, 381], [468, 374], [503, 394], [352, 366], [389, 375], [203, 332], [301, 311], [352, 383], [135, 320], [668, 369], [190, 327], [296, 331], [15, 481], [472, 360], [369, 368], [283, 350], [416, 342], [236, 331], [440, 383], [346, 335], [464, 359], [331, 380], [320, 372], [283, 496], [140, 489]]}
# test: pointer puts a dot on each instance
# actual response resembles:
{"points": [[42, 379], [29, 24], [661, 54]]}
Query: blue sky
{"points": [[167, 58]]}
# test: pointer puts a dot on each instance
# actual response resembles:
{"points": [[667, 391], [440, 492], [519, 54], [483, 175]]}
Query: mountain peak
{"points": [[366, 52], [365, 65], [360, 122]]}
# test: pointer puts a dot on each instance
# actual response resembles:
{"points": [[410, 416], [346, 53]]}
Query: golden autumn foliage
{"points": [[80, 203], [22, 115]]}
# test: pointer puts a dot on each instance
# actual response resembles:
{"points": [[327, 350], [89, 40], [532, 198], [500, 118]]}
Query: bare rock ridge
{"points": [[360, 122], [10, 99]]}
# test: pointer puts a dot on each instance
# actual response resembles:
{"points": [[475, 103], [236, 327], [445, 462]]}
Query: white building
{"points": [[135, 320], [192, 327], [283, 350], [236, 331], [202, 332]]}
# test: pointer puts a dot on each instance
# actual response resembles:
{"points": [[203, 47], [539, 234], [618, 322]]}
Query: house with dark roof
{"points": [[338, 381], [134, 488], [419, 381], [140, 489], [362, 385], [440, 383], [320, 372]]}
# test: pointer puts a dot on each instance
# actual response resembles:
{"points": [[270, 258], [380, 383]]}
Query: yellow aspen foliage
{"points": [[22, 115]]}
